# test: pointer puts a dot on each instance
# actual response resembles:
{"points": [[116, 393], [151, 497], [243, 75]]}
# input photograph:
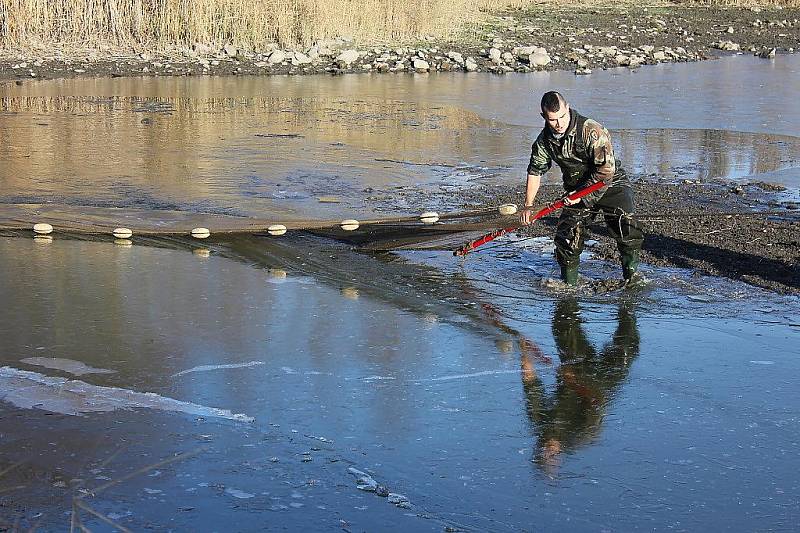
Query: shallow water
{"points": [[672, 408], [478, 390], [360, 145]]}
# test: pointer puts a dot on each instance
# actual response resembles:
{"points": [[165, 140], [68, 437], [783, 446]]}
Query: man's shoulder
{"points": [[593, 130]]}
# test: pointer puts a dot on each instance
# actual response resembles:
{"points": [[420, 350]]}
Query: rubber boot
{"points": [[569, 275], [630, 264]]}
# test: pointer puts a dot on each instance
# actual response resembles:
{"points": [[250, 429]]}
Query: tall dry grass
{"points": [[246, 23]]}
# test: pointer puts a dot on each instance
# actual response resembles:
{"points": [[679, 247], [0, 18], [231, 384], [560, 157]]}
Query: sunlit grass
{"points": [[246, 23]]}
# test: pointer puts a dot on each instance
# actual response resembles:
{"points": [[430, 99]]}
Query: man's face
{"points": [[557, 121]]}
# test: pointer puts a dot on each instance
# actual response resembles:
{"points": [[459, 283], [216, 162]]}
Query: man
{"points": [[583, 150]]}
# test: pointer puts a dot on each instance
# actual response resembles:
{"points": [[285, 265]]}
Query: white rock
{"points": [[659, 56], [299, 58], [538, 59], [456, 57], [470, 65], [494, 55], [508, 57], [347, 57], [230, 50], [727, 45], [622, 60], [421, 65], [646, 48], [276, 57]]}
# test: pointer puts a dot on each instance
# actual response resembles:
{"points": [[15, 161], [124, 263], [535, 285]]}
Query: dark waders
{"points": [[616, 206]]}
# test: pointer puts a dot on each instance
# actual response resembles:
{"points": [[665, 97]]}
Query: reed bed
{"points": [[251, 24]]}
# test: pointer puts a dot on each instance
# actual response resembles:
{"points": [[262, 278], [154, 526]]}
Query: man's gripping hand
{"points": [[526, 215]]}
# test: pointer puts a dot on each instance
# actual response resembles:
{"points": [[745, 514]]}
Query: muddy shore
{"points": [[539, 38], [695, 225]]}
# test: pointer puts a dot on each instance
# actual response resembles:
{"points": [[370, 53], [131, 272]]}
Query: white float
{"points": [[429, 217], [201, 233], [122, 233], [42, 228], [349, 224], [507, 209], [276, 230]]}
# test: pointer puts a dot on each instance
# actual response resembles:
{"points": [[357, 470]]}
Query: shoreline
{"points": [[534, 39]]}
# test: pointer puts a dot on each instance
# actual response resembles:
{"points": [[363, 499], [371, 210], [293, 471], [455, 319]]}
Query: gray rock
{"points": [[522, 52], [456, 57]]}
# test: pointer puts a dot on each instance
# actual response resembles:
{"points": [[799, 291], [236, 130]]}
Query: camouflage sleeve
{"points": [[540, 159], [601, 151]]}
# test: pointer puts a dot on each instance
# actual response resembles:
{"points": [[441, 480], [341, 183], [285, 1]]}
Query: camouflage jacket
{"points": [[584, 153]]}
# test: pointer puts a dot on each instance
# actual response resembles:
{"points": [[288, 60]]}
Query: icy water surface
{"points": [[486, 404], [295, 384]]}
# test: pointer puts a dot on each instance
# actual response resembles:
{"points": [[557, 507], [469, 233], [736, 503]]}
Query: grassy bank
{"points": [[247, 23]]}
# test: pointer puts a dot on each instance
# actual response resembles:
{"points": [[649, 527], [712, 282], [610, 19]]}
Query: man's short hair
{"points": [[551, 101]]}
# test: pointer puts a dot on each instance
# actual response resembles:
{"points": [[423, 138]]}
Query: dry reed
{"points": [[251, 24]]}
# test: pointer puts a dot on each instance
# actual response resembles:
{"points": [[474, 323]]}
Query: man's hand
{"points": [[567, 201], [526, 215]]}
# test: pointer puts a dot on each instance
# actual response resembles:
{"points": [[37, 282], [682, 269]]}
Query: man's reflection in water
{"points": [[586, 382]]}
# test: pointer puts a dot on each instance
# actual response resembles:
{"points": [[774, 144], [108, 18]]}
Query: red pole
{"points": [[555, 206]]}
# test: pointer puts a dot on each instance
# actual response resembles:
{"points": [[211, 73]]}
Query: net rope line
{"points": [[98, 222]]}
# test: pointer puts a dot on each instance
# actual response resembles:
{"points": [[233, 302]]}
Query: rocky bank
{"points": [[540, 38]]}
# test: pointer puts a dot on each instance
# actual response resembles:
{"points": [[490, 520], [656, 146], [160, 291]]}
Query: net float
{"points": [[201, 233], [429, 217], [122, 233], [276, 230], [349, 224], [42, 228], [507, 209]]}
